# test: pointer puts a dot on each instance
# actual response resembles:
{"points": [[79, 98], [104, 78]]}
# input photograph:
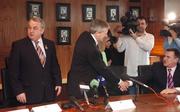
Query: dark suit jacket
{"points": [[29, 76], [158, 77], [87, 63]]}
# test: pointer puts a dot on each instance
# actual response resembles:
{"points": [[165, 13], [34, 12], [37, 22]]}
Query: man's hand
{"points": [[21, 98], [58, 90], [168, 91], [132, 34], [173, 34], [124, 85]]}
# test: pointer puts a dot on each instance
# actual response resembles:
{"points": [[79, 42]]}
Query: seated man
{"points": [[165, 75]]}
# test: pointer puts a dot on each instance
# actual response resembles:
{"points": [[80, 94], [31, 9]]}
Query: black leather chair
{"points": [[8, 97], [144, 70]]}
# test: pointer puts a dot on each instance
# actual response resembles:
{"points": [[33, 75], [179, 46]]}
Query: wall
{"points": [[13, 23], [172, 6]]}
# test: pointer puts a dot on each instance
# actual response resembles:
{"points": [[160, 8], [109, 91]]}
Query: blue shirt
{"points": [[174, 44]]}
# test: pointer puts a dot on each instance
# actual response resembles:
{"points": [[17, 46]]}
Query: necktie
{"points": [[40, 53], [170, 79]]}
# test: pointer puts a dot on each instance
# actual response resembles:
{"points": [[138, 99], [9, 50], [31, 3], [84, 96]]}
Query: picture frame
{"points": [[134, 0], [34, 9], [63, 35], [112, 13], [63, 12], [88, 12], [112, 0], [136, 11]]}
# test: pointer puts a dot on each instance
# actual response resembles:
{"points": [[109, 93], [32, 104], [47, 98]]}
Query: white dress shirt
{"points": [[137, 51], [94, 39], [172, 73]]}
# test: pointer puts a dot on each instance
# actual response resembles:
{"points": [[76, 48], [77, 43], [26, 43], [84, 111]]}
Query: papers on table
{"points": [[121, 105], [47, 108], [20, 110], [44, 108]]}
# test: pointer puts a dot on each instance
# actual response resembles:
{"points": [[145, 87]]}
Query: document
{"points": [[47, 108]]}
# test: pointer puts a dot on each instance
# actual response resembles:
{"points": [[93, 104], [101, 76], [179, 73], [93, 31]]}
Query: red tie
{"points": [[40, 53], [170, 79]]}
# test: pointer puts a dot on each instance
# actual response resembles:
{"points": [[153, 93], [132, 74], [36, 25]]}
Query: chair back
{"points": [[8, 97], [144, 70]]}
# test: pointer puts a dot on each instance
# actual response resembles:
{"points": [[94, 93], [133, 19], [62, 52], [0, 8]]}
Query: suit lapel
{"points": [[46, 48], [32, 49], [164, 76], [96, 47], [93, 42]]}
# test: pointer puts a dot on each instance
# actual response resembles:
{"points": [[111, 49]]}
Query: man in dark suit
{"points": [[87, 61], [165, 76], [33, 68]]}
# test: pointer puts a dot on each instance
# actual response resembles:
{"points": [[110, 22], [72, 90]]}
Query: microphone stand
{"points": [[137, 92], [106, 97], [106, 100], [86, 97]]}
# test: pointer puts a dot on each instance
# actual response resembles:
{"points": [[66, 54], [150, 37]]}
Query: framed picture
{"points": [[88, 13], [112, 13], [34, 9], [63, 12], [63, 35], [136, 11], [134, 0]]}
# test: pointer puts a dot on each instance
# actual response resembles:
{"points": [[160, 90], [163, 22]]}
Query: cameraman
{"points": [[172, 41], [137, 48]]}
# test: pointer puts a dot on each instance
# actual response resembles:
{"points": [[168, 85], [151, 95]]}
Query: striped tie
{"points": [[40, 53], [170, 79]]}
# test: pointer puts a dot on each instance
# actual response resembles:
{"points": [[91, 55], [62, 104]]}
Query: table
{"points": [[143, 102]]}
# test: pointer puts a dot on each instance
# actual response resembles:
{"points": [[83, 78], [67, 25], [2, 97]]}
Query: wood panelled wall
{"points": [[13, 23]]}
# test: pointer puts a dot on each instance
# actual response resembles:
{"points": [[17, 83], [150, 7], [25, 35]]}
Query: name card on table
{"points": [[20, 110], [47, 108], [178, 98], [121, 105]]}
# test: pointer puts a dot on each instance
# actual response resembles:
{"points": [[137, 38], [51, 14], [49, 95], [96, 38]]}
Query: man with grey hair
{"points": [[33, 67], [87, 62]]}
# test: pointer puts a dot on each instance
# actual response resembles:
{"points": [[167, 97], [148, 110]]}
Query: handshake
{"points": [[124, 85]]}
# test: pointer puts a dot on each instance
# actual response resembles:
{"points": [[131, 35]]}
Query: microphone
{"points": [[146, 86], [94, 84], [138, 82], [74, 100], [102, 82], [85, 88]]}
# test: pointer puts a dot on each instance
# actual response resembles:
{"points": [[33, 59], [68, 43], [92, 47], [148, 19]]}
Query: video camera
{"points": [[175, 25], [129, 21]]}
